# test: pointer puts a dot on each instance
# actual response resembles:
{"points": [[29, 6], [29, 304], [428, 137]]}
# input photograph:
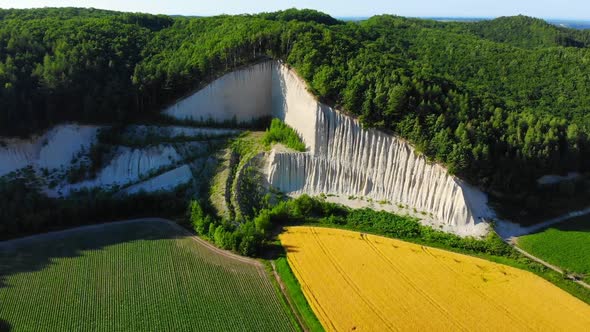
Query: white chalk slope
{"points": [[242, 95], [342, 158], [59, 146], [165, 181], [53, 150]]}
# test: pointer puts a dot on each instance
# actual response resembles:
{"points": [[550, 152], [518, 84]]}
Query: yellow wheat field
{"points": [[357, 282]]}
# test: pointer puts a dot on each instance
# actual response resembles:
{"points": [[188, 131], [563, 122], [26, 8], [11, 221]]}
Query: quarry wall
{"points": [[242, 95], [345, 159], [342, 158]]}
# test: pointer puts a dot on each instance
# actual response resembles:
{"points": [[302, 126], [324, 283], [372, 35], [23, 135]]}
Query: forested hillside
{"points": [[530, 32], [499, 102]]}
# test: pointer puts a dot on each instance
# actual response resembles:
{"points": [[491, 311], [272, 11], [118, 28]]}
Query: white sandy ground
{"points": [[57, 149], [555, 179], [128, 166], [53, 150], [425, 218]]}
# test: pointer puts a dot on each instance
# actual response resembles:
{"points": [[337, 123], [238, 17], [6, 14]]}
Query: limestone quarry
{"points": [[343, 159], [350, 164]]}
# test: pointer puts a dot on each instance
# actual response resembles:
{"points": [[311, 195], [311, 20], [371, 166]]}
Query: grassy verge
{"points": [[279, 132], [566, 245], [293, 289], [293, 316]]}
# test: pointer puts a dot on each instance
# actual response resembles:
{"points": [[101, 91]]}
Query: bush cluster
{"points": [[250, 237], [279, 132]]}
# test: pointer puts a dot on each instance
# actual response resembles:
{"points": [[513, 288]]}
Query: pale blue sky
{"points": [[574, 9]]}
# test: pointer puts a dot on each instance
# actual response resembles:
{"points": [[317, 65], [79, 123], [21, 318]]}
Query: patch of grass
{"points": [[295, 293], [279, 132], [566, 245]]}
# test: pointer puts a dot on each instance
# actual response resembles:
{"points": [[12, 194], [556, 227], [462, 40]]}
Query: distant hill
{"points": [[572, 24], [529, 32]]}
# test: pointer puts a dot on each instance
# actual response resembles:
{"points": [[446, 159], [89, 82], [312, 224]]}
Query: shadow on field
{"points": [[577, 225], [35, 253], [4, 326]]}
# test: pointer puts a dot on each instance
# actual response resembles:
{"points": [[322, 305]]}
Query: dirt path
{"points": [[513, 242], [287, 297]]}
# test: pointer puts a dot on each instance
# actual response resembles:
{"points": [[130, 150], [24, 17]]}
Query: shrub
{"points": [[279, 132]]}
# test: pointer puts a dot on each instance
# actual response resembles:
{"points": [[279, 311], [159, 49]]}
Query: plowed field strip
{"points": [[141, 275]]}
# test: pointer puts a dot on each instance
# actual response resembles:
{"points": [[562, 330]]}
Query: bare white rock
{"points": [[165, 181], [242, 95], [54, 149], [129, 165]]}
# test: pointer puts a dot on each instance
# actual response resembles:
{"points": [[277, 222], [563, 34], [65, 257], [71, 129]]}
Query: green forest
{"points": [[499, 102]]}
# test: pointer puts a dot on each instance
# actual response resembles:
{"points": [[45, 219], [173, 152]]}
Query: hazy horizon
{"points": [[575, 10]]}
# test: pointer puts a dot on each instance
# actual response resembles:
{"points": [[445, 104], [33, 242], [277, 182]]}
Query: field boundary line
{"points": [[514, 243], [313, 301], [283, 289], [212, 247]]}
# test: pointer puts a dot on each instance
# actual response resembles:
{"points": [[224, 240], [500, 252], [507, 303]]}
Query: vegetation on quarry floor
{"points": [[357, 281], [279, 132], [566, 245], [138, 276]]}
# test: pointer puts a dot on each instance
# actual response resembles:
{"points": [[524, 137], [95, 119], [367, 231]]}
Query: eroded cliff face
{"points": [[345, 159], [350, 161]]}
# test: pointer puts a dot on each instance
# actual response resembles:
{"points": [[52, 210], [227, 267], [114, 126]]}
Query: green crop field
{"points": [[566, 245], [139, 276]]}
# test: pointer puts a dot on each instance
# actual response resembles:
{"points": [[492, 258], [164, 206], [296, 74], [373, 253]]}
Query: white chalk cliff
{"points": [[342, 158]]}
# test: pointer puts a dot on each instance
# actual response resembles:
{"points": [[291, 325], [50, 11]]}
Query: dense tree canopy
{"points": [[499, 102]]}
